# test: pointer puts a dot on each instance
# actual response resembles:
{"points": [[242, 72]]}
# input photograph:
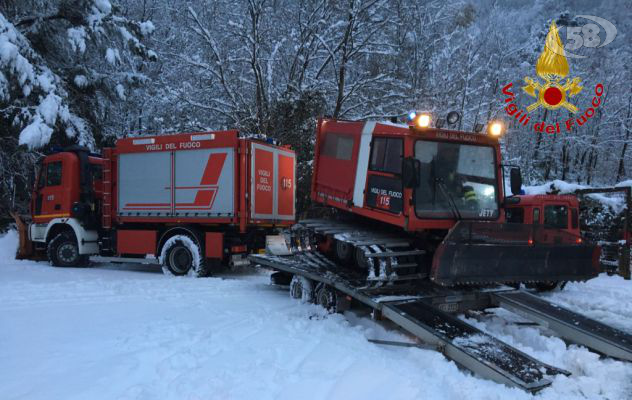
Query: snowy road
{"points": [[121, 332]]}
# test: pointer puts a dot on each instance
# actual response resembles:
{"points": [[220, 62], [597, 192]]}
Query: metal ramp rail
{"points": [[568, 324], [471, 348], [457, 340]]}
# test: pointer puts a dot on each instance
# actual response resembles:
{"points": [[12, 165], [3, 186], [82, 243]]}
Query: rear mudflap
{"points": [[487, 253]]}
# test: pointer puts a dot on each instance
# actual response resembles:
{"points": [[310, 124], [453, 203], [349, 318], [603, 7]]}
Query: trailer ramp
{"points": [[569, 325], [468, 346]]}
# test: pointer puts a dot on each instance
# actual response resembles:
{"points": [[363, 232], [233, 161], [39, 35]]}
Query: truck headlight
{"points": [[495, 128], [423, 120]]}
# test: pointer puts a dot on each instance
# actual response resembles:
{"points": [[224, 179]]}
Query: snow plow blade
{"points": [[476, 253], [26, 250]]}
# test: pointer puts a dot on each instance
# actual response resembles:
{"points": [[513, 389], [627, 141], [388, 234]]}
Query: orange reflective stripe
{"points": [[52, 216]]}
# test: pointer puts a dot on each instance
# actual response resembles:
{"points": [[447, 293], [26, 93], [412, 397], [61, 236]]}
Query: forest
{"points": [[90, 71]]}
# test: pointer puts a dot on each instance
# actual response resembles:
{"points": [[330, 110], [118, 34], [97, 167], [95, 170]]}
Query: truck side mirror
{"points": [[515, 178], [410, 172]]}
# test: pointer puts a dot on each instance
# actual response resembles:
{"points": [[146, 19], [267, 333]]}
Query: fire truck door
{"points": [[49, 202]]}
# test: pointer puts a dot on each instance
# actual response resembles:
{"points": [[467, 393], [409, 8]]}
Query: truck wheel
{"points": [[181, 256], [301, 288], [63, 251]]}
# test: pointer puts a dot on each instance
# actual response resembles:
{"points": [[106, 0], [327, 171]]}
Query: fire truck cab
{"points": [[550, 212], [66, 199]]}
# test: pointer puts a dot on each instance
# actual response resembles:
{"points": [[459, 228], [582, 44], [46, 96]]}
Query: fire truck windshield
{"points": [[456, 180]]}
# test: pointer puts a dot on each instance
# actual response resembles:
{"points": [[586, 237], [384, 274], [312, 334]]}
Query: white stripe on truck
{"points": [[363, 163]]}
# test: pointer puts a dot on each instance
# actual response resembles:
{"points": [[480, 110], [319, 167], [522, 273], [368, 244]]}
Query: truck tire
{"points": [[301, 288], [63, 251], [182, 256]]}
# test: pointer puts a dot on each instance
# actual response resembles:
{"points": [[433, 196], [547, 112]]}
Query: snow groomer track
{"points": [[427, 312]]}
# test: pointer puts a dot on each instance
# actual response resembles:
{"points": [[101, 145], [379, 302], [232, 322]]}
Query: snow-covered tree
{"points": [[63, 66], [81, 71]]}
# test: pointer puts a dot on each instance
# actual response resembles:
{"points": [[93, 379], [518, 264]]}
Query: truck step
{"points": [[125, 260], [568, 324]]}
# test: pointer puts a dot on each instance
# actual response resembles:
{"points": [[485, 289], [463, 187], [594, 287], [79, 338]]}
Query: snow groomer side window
{"points": [[386, 155], [338, 146], [384, 183]]}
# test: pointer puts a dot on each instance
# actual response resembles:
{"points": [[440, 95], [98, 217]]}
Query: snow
{"points": [[77, 39], [624, 183], [100, 10], [152, 55], [49, 108], [4, 87], [130, 332], [10, 57], [104, 6], [81, 81], [561, 186], [558, 186], [397, 124], [36, 134], [147, 28], [112, 56], [20, 66], [120, 91]]}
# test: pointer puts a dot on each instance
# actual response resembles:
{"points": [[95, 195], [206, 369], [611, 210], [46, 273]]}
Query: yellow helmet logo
{"points": [[552, 67]]}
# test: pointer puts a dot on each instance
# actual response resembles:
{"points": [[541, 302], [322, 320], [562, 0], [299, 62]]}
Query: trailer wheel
{"points": [[181, 256], [63, 251], [326, 297], [301, 288]]}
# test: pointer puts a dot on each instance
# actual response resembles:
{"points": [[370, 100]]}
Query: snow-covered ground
{"points": [[129, 332]]}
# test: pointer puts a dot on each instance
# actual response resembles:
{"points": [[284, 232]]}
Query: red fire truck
{"points": [[189, 200], [556, 213]]}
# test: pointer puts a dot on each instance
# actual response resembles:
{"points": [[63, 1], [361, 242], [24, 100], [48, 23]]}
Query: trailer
{"points": [[188, 201], [427, 312]]}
